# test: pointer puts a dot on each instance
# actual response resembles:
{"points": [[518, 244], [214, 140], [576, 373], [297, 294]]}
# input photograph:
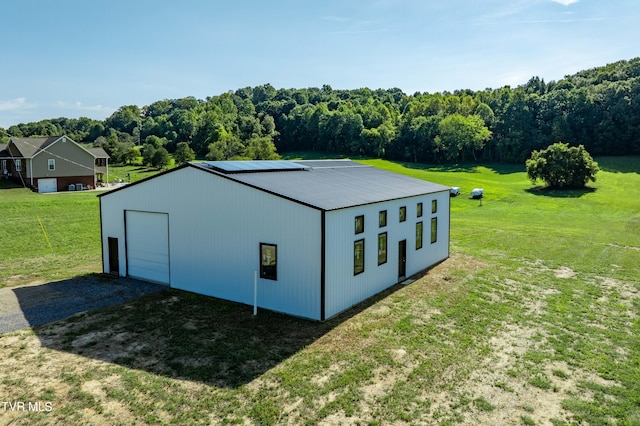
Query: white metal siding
{"points": [[215, 228], [343, 289], [147, 240]]}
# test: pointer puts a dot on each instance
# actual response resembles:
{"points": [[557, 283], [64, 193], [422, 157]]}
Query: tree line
{"points": [[597, 108]]}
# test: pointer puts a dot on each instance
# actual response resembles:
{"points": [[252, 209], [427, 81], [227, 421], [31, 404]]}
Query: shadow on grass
{"points": [[466, 168], [560, 193], [624, 164], [501, 169], [316, 155], [145, 169], [434, 167], [9, 184], [183, 335]]}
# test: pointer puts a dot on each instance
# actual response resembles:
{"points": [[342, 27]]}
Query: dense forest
{"points": [[598, 108]]}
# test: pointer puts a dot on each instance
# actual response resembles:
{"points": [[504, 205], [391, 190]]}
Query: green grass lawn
{"points": [[47, 236], [582, 229], [52, 236], [130, 173], [533, 320]]}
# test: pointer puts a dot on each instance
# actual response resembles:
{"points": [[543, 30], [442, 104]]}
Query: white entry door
{"points": [[48, 185], [147, 244]]}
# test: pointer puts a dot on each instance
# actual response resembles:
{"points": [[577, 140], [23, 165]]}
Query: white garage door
{"points": [[147, 238], [48, 185]]}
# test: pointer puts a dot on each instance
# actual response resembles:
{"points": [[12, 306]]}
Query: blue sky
{"points": [[74, 58]]}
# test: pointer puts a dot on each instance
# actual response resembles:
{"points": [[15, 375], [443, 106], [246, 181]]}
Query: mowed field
{"points": [[534, 319], [48, 237]]}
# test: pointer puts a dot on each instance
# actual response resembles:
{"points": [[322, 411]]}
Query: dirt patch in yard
{"points": [[176, 357], [527, 388], [564, 272]]}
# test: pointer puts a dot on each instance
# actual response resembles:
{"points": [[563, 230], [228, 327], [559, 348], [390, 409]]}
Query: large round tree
{"points": [[561, 166]]}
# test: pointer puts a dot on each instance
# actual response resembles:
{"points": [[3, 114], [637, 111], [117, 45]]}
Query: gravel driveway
{"points": [[28, 306]]}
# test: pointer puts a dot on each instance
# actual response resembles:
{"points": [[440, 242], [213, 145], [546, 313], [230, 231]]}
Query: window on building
{"points": [[359, 224], [403, 214], [268, 261], [418, 235], [434, 230], [358, 257], [434, 206], [419, 210], [382, 248], [4, 166], [18, 165], [382, 218], [51, 163]]}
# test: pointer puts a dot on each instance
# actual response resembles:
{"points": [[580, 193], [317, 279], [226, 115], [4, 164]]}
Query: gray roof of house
{"points": [[330, 184], [31, 146], [98, 152]]}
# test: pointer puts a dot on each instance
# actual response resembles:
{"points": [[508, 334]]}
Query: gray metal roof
{"points": [[333, 184], [252, 166]]}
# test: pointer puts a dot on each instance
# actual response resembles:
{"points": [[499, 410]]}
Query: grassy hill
{"points": [[533, 320], [583, 229], [52, 236]]}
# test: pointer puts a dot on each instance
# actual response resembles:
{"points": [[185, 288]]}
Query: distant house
{"points": [[53, 164], [321, 236]]}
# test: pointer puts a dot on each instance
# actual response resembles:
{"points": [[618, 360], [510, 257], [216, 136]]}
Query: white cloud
{"points": [[15, 104], [77, 105], [334, 18], [507, 10], [563, 21], [566, 2]]}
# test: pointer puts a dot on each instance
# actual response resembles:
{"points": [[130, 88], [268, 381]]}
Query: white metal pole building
{"points": [[322, 235]]}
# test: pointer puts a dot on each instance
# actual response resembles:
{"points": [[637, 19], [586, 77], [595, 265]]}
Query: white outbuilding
{"points": [[320, 235]]}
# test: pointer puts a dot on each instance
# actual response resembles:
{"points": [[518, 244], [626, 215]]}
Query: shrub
{"points": [[561, 166]]}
